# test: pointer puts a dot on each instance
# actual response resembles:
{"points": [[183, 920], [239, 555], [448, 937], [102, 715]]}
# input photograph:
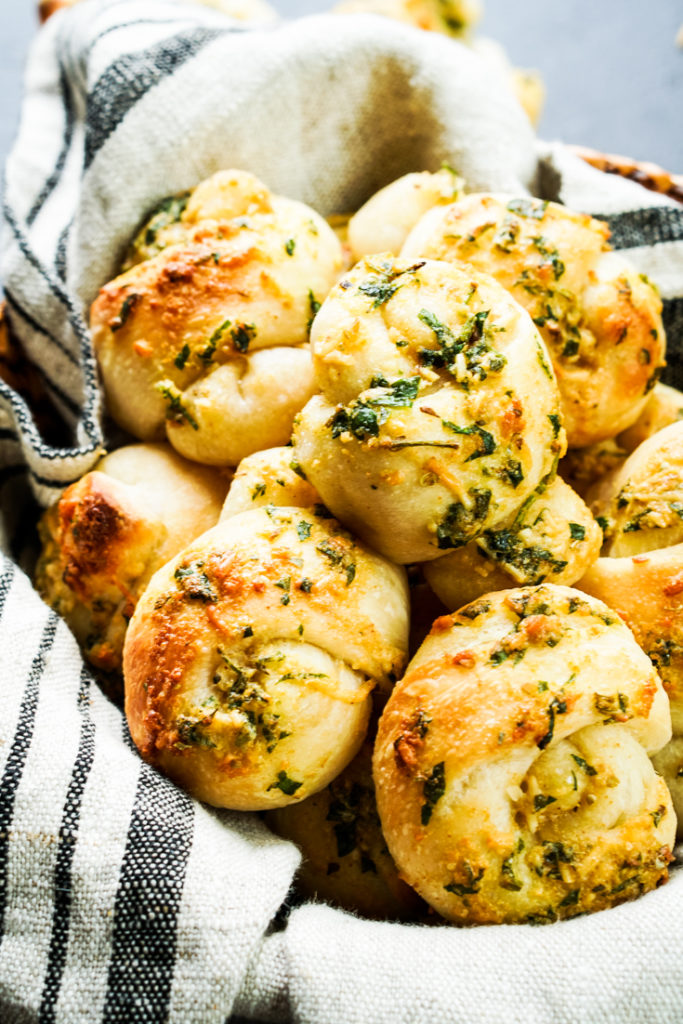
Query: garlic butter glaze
{"points": [[203, 338], [511, 766], [599, 318], [251, 657], [439, 411], [553, 537]]}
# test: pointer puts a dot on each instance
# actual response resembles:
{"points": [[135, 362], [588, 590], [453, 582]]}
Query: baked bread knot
{"points": [[439, 414], [345, 858], [599, 318], [641, 503], [641, 575], [384, 222], [251, 657], [663, 407], [553, 537], [647, 592], [511, 767], [584, 467], [110, 531], [270, 477], [203, 338]]}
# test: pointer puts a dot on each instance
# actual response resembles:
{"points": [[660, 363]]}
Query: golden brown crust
{"points": [[111, 530], [642, 576], [96, 546], [250, 658], [642, 501], [213, 279], [48, 7], [583, 468], [599, 318], [647, 174], [646, 591], [512, 783]]}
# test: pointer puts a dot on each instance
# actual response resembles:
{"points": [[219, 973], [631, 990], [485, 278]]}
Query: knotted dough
{"points": [[439, 414], [251, 657], [599, 318], [640, 574], [203, 338], [553, 537], [511, 766], [111, 530]]}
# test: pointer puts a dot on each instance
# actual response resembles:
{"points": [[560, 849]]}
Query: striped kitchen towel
{"points": [[121, 899]]}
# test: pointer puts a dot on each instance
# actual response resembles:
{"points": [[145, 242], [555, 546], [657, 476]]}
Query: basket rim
{"points": [[650, 175]]}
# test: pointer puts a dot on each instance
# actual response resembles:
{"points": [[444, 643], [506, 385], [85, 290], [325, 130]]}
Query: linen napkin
{"points": [[121, 899]]}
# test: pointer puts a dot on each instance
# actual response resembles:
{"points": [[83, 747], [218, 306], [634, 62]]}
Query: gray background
{"points": [[613, 71]]}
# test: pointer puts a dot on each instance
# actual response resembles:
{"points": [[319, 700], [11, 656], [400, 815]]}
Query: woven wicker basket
{"points": [[648, 175]]}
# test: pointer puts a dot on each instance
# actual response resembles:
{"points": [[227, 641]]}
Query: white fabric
{"points": [[622, 965], [58, 734]]}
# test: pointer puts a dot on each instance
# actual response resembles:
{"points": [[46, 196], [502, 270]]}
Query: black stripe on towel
{"points": [[649, 226], [147, 903], [7, 472], [165, 21], [27, 252], [16, 760], [21, 311], [16, 407], [130, 77], [76, 321], [672, 316], [60, 396], [61, 252], [6, 581], [57, 485], [68, 833]]}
